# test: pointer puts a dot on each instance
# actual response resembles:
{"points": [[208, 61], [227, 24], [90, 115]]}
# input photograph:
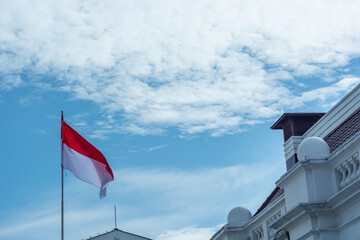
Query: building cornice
{"points": [[340, 199], [345, 195], [301, 210]]}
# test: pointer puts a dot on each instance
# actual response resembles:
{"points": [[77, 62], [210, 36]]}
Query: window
{"points": [[282, 235]]}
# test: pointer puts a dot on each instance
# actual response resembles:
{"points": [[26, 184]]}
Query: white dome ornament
{"points": [[239, 216], [313, 147]]}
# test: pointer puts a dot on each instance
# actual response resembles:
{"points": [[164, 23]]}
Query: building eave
{"points": [[278, 124], [265, 211], [301, 210], [116, 229]]}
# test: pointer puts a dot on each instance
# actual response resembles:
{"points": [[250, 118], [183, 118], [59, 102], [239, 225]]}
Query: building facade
{"points": [[318, 197], [117, 234]]}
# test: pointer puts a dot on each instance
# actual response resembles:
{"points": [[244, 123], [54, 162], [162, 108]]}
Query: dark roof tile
{"points": [[275, 194], [345, 131]]}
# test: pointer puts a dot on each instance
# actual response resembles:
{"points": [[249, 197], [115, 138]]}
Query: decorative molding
{"points": [[259, 233], [271, 220]]}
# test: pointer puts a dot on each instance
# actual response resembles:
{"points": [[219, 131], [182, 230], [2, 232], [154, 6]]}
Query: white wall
{"points": [[295, 187]]}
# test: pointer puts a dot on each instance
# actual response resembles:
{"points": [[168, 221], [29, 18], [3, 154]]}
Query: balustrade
{"points": [[349, 170]]}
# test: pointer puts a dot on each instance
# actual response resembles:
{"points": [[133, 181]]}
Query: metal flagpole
{"points": [[115, 216], [62, 202], [62, 184]]}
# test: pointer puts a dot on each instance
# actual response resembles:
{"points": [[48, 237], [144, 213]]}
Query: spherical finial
{"points": [[239, 216], [313, 146]]}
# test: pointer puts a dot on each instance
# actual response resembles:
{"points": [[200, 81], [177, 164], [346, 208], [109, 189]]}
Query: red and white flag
{"points": [[84, 160]]}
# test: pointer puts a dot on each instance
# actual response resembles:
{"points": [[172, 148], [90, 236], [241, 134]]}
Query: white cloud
{"points": [[158, 147], [40, 131], [9, 82], [43, 221], [29, 100], [29, 224], [201, 66], [325, 93]]}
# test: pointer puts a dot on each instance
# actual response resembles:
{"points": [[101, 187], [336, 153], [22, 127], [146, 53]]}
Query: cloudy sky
{"points": [[178, 95]]}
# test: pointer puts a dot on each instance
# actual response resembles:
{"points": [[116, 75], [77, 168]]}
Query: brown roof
{"points": [[296, 124], [275, 194], [278, 123], [345, 131]]}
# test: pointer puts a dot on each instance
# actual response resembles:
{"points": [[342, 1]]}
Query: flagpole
{"points": [[115, 216], [62, 202], [62, 184]]}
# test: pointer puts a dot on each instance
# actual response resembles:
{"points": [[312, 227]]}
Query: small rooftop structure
{"points": [[296, 123]]}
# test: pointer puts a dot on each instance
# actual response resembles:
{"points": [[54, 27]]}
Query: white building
{"points": [[117, 234], [319, 195]]}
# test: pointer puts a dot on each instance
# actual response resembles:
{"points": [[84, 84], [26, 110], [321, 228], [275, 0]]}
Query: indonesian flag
{"points": [[85, 161]]}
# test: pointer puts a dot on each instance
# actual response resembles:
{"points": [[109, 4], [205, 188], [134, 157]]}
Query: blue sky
{"points": [[178, 95]]}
